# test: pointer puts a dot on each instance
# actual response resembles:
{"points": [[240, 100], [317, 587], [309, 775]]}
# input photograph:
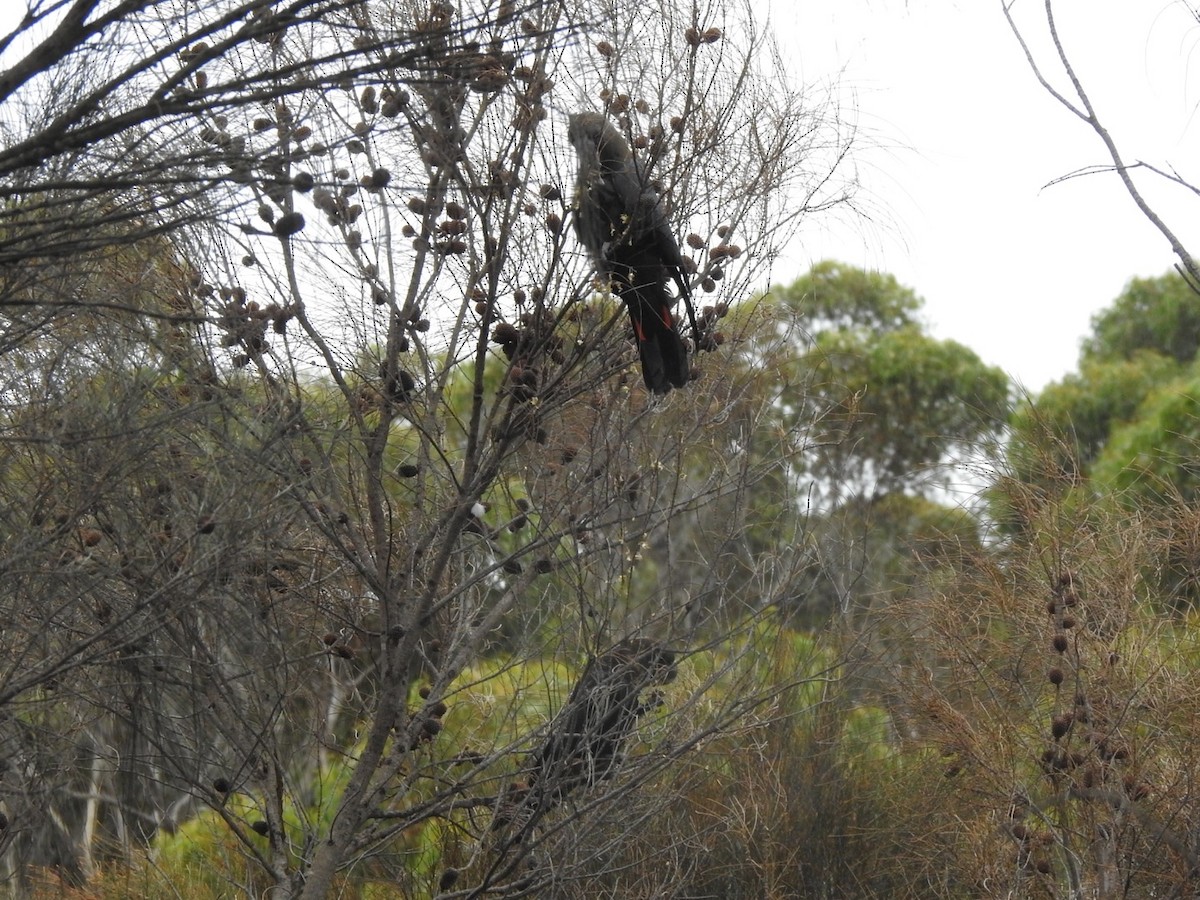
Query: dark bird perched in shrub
{"points": [[620, 220], [587, 739]]}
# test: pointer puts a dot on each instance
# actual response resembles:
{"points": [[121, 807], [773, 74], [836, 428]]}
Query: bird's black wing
{"points": [[660, 235], [608, 212]]}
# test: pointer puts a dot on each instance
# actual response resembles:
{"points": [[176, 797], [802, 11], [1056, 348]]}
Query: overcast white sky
{"points": [[1009, 267]]}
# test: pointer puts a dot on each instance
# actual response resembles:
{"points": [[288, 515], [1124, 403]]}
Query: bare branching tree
{"points": [[326, 477], [1074, 96]]}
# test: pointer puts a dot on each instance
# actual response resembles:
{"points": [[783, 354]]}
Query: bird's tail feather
{"points": [[661, 350]]}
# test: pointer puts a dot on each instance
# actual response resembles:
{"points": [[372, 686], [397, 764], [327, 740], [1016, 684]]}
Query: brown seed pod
{"points": [[222, 785], [692, 36], [605, 49], [677, 124], [695, 241], [448, 880], [289, 224], [1061, 724], [505, 333], [408, 470], [1060, 643], [1055, 676], [260, 826], [1119, 752], [1059, 760], [378, 179], [1137, 790], [711, 35]]}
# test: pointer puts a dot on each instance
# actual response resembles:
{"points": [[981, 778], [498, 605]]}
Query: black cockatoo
{"points": [[585, 743], [587, 739], [620, 220]]}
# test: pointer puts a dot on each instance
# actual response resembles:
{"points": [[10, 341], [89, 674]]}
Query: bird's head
{"points": [[651, 661], [597, 141]]}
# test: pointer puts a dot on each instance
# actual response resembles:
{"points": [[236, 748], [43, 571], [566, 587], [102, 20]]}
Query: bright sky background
{"points": [[968, 141]]}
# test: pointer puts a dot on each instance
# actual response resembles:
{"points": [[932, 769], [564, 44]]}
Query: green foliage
{"points": [[905, 401], [1125, 423], [495, 703], [890, 400], [833, 296], [887, 545], [809, 800], [892, 407], [1158, 314], [1153, 457], [1081, 411]]}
